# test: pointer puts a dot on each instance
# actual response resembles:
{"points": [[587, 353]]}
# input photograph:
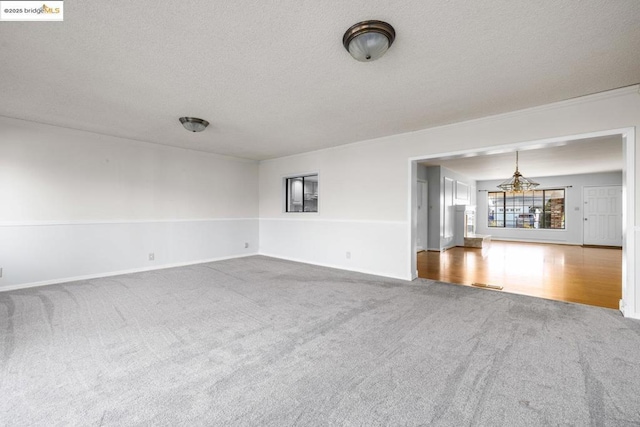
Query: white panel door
{"points": [[423, 209], [603, 215]]}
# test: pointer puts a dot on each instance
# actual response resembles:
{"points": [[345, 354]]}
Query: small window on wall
{"points": [[302, 193], [535, 209]]}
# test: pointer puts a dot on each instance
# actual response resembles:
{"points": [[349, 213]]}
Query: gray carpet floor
{"points": [[260, 341]]}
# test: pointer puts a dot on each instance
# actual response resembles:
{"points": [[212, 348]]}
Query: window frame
{"points": [[287, 195], [517, 210]]}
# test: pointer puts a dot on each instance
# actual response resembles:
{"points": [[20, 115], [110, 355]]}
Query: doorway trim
{"points": [[627, 303], [425, 203]]}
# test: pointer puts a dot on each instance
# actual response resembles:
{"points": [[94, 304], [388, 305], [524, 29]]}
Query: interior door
{"points": [[602, 224], [423, 209]]}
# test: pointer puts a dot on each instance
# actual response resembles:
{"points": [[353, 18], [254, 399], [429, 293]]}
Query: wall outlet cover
{"points": [[152, 256]]}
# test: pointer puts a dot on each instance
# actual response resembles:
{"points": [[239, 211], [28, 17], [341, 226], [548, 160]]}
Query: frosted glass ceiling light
{"points": [[193, 124], [518, 183], [368, 40]]}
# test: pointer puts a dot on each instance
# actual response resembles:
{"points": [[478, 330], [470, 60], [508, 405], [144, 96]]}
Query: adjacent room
{"points": [[560, 239], [261, 214]]}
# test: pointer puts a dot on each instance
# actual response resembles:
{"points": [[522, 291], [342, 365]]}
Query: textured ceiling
{"points": [[273, 78], [603, 154]]}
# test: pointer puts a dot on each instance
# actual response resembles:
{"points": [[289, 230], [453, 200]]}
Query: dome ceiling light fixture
{"points": [[518, 183], [367, 41], [194, 124]]}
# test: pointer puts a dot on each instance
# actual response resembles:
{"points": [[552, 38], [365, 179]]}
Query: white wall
{"points": [[572, 234], [352, 216], [77, 204], [296, 239], [384, 166]]}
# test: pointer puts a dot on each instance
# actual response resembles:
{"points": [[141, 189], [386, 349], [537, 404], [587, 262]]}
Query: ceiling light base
{"points": [[194, 124], [368, 40]]}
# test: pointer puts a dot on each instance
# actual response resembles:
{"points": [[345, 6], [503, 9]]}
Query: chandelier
{"points": [[518, 183]]}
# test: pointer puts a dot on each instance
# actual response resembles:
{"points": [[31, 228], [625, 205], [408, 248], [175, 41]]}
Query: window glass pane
{"points": [[294, 194], [527, 217], [513, 206], [311, 193], [538, 209], [554, 208], [302, 193], [495, 202]]}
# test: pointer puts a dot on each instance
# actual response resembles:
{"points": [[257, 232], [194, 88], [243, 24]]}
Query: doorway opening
{"points": [[573, 164]]}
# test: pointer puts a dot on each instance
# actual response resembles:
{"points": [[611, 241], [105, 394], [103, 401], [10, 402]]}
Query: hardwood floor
{"points": [[585, 275]]}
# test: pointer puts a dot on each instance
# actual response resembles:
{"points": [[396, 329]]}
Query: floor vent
{"points": [[484, 285]]}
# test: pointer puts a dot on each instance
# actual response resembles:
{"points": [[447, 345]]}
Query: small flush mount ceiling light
{"points": [[193, 124], [518, 183], [368, 40]]}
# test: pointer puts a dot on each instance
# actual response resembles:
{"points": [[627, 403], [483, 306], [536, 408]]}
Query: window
{"points": [[536, 209], [302, 193]]}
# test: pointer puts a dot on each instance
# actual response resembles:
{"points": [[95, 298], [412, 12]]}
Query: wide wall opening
{"points": [[562, 239]]}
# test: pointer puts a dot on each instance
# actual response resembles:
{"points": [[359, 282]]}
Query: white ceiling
{"points": [[603, 154], [273, 78]]}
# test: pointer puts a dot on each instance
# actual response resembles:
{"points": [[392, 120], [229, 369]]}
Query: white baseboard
{"points": [[117, 273], [546, 242], [621, 307], [337, 267]]}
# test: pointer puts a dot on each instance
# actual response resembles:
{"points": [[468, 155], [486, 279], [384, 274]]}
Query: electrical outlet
{"points": [[152, 256], [246, 245], [348, 255], [0, 272]]}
